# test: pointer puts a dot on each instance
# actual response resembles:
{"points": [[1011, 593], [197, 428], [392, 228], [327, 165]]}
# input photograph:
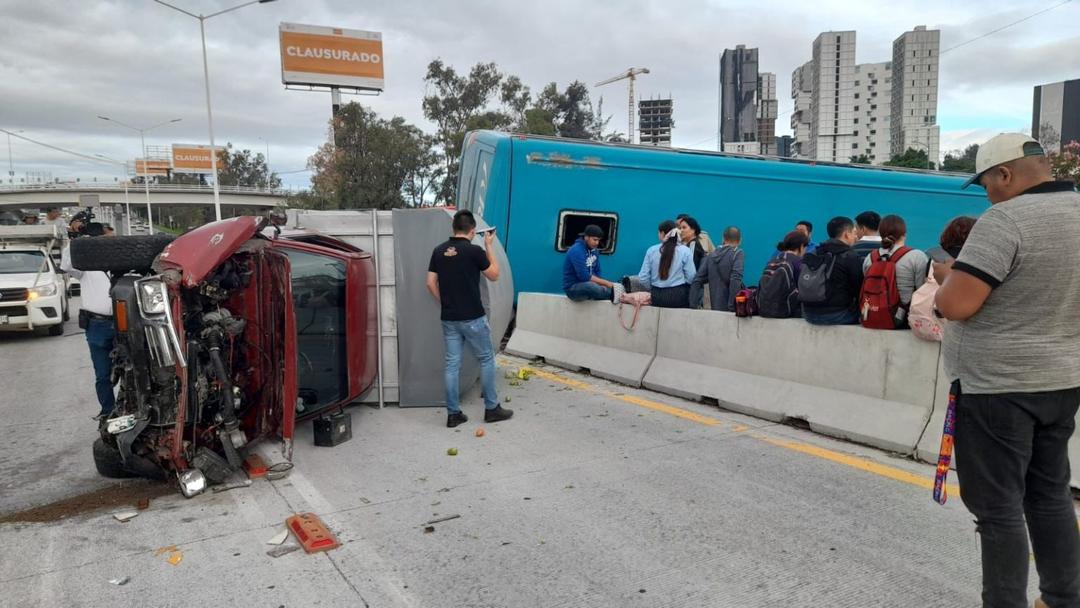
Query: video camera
{"points": [[87, 225]]}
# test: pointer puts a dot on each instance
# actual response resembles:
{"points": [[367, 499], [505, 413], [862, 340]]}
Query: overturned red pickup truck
{"points": [[226, 335]]}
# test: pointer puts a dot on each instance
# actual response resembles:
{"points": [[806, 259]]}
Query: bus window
{"points": [[573, 223]]}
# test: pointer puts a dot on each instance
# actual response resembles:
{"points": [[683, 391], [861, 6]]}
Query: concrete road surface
{"points": [[593, 495]]}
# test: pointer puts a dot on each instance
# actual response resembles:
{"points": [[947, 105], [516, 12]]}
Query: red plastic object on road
{"points": [[313, 535]]}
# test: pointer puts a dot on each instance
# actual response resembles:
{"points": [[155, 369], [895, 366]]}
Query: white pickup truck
{"points": [[33, 293]]}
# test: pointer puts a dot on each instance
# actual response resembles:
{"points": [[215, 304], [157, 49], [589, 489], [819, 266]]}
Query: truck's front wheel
{"points": [[108, 462], [118, 254]]}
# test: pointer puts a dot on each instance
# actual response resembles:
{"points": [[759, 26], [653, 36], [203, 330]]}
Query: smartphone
{"points": [[483, 230]]}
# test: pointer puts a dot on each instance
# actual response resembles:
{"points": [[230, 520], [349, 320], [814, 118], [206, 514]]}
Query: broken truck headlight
{"points": [[153, 297]]}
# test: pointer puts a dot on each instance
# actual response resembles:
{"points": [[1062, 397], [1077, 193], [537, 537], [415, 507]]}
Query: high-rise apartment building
{"points": [[1055, 114], [801, 91], [915, 92], [738, 94], [873, 111], [768, 107], [783, 145], [831, 104], [654, 122]]}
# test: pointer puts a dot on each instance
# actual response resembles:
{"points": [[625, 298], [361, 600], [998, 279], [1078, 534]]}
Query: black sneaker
{"points": [[498, 413], [625, 281], [453, 420]]}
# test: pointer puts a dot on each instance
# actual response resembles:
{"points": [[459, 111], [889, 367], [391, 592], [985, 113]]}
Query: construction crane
{"points": [[630, 74]]}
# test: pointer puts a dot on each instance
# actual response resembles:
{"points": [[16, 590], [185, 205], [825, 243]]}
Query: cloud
{"points": [[67, 61]]}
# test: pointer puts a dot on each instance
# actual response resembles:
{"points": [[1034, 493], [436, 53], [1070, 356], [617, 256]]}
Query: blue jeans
{"points": [[580, 292], [843, 317], [99, 336], [478, 335]]}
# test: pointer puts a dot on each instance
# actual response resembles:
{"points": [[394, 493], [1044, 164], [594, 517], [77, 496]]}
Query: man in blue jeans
{"points": [[96, 315], [581, 268], [453, 279]]}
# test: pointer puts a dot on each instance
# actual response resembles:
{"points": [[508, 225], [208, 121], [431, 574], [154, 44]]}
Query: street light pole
{"points": [[11, 159], [127, 203], [146, 165], [206, 83]]}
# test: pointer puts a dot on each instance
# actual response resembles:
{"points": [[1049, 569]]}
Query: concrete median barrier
{"points": [[873, 387], [585, 335]]}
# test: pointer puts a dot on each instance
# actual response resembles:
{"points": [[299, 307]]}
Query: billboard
{"points": [[152, 166], [330, 56], [191, 158]]}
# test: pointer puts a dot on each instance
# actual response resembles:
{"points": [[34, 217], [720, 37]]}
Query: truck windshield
{"points": [[318, 288], [21, 262]]}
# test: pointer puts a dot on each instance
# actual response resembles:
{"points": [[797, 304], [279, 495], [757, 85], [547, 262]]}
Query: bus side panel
{"points": [[763, 198]]}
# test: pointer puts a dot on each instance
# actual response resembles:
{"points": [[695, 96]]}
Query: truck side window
{"points": [[572, 223]]}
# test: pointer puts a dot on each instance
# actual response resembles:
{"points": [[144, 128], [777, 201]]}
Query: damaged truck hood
{"points": [[197, 253]]}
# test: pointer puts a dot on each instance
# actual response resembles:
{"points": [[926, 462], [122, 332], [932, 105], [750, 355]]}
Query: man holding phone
{"points": [[453, 279]]}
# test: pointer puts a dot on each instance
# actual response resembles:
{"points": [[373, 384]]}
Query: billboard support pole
{"points": [[146, 184], [335, 107], [210, 121]]}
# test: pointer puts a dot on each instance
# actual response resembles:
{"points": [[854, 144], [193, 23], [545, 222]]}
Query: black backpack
{"points": [[814, 280], [778, 290]]}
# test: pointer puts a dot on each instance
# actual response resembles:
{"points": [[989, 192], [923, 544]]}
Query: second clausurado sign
{"points": [[329, 56], [191, 158]]}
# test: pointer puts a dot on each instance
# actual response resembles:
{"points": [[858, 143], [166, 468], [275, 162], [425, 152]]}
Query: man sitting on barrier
{"points": [[831, 277], [581, 268]]}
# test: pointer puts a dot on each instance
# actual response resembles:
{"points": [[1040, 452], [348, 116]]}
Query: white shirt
{"points": [[94, 285], [874, 238]]}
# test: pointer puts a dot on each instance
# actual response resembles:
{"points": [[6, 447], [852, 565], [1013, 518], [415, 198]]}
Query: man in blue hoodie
{"points": [[581, 269]]}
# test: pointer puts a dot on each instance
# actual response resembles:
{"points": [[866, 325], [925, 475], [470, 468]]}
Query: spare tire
{"points": [[118, 254]]}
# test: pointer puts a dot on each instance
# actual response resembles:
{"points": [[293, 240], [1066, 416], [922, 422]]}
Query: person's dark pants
{"points": [[99, 336], [843, 317], [671, 297], [1012, 463], [580, 292]]}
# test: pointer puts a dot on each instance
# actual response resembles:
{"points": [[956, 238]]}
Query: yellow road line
{"points": [[638, 401], [855, 462]]}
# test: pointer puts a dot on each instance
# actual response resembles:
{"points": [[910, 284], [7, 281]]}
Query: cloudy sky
{"points": [[64, 62]]}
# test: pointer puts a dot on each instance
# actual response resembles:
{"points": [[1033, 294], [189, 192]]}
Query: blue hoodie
{"points": [[581, 264]]}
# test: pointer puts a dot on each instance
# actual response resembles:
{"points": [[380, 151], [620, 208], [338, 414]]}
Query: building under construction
{"points": [[654, 122]]}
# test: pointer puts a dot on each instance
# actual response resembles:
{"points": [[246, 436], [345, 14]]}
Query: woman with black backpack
{"points": [[778, 289]]}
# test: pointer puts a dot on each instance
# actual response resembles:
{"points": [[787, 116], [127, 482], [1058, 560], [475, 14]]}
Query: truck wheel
{"points": [[56, 330], [118, 254], [67, 309], [107, 460]]}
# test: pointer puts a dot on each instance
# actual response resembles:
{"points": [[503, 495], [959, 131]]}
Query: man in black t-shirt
{"points": [[453, 279]]}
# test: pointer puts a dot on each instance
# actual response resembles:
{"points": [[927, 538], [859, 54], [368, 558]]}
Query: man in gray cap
{"points": [[1013, 352], [581, 268]]}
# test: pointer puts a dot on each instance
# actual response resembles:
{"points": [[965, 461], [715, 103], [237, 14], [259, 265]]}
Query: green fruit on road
{"points": [[451, 452]]}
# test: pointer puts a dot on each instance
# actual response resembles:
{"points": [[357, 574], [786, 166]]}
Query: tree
{"points": [[1066, 164], [242, 168], [961, 162], [370, 162], [1048, 136], [911, 158], [457, 99], [861, 159]]}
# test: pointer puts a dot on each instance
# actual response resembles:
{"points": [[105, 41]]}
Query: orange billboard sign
{"points": [[151, 167], [189, 158], [329, 56]]}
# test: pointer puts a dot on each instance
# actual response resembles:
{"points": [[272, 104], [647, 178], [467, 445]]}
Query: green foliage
{"points": [[911, 158], [242, 168], [370, 162], [861, 159], [1066, 164], [961, 162]]}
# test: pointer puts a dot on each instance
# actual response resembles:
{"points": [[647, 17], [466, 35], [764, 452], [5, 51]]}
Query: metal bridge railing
{"points": [[119, 186]]}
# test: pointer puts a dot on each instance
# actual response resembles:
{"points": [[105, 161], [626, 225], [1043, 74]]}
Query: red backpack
{"points": [[879, 299]]}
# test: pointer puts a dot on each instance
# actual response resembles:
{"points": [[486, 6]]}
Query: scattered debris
{"points": [[442, 519], [255, 466], [524, 373], [175, 558], [232, 485], [123, 580], [278, 538], [429, 529], [515, 383], [569, 487], [451, 452], [165, 550], [480, 431], [144, 504], [506, 399], [528, 498], [125, 516], [283, 550], [311, 532]]}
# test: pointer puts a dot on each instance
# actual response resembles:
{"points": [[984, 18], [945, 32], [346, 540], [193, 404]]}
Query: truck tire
{"points": [[56, 330], [118, 254], [108, 463]]}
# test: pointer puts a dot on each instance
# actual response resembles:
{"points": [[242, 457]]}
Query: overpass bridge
{"points": [[39, 196]]}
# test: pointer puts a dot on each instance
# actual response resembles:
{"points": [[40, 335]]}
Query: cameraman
{"points": [[95, 316]]}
